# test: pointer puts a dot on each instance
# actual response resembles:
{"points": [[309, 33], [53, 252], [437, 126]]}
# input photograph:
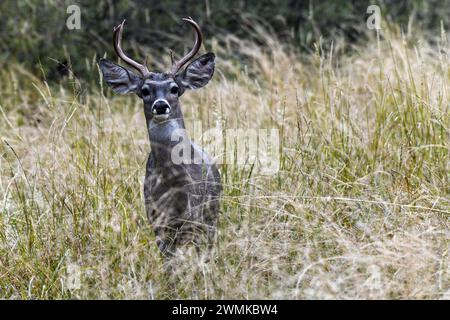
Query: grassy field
{"points": [[359, 208]]}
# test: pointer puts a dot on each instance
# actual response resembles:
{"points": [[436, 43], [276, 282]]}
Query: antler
{"points": [[176, 66], [142, 68]]}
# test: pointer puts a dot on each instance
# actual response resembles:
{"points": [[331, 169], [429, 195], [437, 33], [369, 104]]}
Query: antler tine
{"points": [[172, 56], [142, 68], [198, 42]]}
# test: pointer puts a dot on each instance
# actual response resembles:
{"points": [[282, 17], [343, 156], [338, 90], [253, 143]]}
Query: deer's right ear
{"points": [[198, 73], [118, 78]]}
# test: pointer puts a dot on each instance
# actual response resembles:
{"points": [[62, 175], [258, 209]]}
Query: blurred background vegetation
{"points": [[34, 32]]}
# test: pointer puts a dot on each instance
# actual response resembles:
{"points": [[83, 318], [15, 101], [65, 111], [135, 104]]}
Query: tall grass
{"points": [[359, 209]]}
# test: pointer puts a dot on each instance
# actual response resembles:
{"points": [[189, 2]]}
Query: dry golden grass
{"points": [[359, 209]]}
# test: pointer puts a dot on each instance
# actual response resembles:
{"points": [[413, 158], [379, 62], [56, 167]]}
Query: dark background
{"points": [[34, 33]]}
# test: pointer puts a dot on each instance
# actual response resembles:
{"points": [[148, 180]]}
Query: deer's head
{"points": [[160, 91]]}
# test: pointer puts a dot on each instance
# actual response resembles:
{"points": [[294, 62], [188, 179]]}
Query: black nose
{"points": [[160, 107]]}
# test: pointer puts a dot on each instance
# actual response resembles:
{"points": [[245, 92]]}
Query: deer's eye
{"points": [[145, 91], [174, 90]]}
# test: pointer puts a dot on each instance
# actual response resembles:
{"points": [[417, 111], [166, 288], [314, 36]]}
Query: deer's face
{"points": [[159, 91]]}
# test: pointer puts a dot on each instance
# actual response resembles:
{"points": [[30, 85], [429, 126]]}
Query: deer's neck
{"points": [[164, 136]]}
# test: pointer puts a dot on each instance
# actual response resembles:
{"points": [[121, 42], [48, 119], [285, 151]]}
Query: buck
{"points": [[181, 199]]}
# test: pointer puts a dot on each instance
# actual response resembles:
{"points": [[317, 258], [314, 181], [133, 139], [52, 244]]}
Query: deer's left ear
{"points": [[118, 78], [198, 73]]}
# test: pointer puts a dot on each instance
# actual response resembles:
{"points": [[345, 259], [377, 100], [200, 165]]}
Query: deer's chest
{"points": [[166, 188]]}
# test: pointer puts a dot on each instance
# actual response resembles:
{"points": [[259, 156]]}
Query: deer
{"points": [[181, 197]]}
